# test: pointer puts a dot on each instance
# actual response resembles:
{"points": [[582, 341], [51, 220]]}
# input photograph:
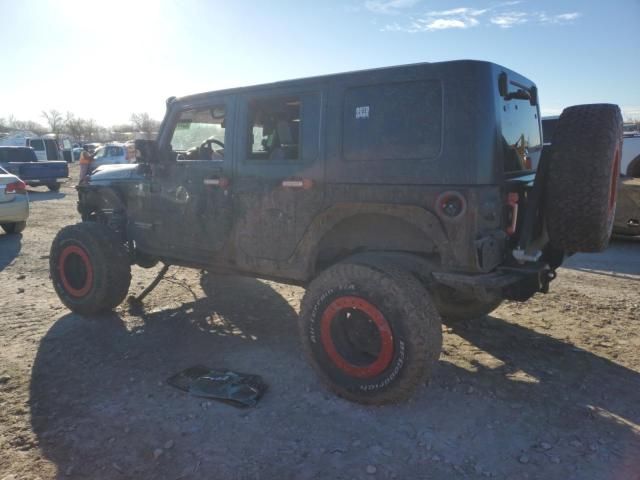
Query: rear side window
{"points": [[37, 145], [399, 121], [274, 128]]}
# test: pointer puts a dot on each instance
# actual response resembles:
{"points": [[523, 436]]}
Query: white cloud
{"points": [[388, 6], [444, 23], [464, 11], [562, 18], [509, 19], [499, 15]]}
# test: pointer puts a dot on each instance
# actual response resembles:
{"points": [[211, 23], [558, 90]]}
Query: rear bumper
{"points": [[35, 182], [16, 210], [513, 283]]}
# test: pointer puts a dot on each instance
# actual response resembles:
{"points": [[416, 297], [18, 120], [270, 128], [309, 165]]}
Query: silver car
{"points": [[111, 154], [14, 203]]}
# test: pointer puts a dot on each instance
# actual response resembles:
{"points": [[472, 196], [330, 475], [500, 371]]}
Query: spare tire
{"points": [[582, 177]]}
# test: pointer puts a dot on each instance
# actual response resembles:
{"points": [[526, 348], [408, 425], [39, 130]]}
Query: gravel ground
{"points": [[548, 389]]}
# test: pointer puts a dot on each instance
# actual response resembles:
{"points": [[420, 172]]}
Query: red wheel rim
{"points": [[613, 188], [385, 354], [77, 287]]}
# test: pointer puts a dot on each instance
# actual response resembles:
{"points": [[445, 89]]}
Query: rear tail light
{"points": [[512, 204], [16, 187], [451, 205]]}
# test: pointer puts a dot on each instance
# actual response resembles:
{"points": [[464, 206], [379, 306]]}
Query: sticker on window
{"points": [[362, 112]]}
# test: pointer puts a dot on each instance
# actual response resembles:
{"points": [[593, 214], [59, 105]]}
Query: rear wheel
{"points": [[14, 227], [89, 267], [370, 331], [582, 177], [54, 187]]}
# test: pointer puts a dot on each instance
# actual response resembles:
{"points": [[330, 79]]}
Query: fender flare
{"points": [[425, 221]]}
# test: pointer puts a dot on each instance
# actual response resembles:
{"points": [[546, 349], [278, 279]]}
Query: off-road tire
{"points": [[582, 177], [14, 227], [415, 326], [457, 308], [102, 257], [54, 187]]}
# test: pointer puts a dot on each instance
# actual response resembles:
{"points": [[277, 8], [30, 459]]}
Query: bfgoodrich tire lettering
{"points": [[89, 268], [404, 304]]}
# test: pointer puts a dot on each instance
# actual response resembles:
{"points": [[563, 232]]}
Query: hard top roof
{"points": [[292, 82]]}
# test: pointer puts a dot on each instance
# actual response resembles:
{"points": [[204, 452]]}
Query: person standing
{"points": [[85, 166]]}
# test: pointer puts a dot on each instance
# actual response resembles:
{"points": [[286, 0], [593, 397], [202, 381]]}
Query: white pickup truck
{"points": [[630, 161]]}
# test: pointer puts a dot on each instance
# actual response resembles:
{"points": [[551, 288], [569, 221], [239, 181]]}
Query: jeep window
{"points": [[200, 134], [274, 128], [521, 136], [392, 121]]}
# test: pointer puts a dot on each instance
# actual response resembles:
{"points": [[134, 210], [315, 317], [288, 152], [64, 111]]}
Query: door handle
{"points": [[222, 182], [304, 183]]}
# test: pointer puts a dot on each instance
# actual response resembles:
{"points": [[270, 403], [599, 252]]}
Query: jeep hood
{"points": [[108, 173]]}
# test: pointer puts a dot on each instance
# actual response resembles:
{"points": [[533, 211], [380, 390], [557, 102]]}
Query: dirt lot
{"points": [[549, 389]]}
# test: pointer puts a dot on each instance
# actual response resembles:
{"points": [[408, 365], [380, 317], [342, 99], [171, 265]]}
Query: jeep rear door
{"points": [[278, 187]]}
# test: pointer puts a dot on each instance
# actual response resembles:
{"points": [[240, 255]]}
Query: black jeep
{"points": [[398, 197]]}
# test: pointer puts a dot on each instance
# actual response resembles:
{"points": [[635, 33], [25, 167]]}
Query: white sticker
{"points": [[362, 112]]}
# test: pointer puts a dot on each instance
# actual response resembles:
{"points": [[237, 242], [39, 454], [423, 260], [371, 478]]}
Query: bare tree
{"points": [[14, 124], [74, 126], [55, 121], [143, 123], [90, 129]]}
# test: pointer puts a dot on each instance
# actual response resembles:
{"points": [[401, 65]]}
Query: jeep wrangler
{"points": [[399, 197]]}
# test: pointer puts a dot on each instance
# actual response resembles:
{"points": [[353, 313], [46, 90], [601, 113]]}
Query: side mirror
{"points": [[146, 151]]}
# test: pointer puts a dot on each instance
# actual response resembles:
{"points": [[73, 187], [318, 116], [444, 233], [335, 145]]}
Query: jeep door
{"points": [[278, 186], [190, 192]]}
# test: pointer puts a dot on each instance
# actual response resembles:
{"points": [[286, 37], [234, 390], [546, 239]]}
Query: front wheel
{"points": [[370, 331], [89, 268]]}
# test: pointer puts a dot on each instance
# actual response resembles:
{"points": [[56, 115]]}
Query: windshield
{"points": [[195, 127]]}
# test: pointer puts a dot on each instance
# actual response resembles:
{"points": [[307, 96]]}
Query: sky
{"points": [[107, 59]]}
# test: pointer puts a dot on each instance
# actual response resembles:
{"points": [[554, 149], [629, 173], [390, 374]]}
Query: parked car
{"points": [[91, 147], [397, 196], [22, 161], [110, 154], [14, 203]]}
